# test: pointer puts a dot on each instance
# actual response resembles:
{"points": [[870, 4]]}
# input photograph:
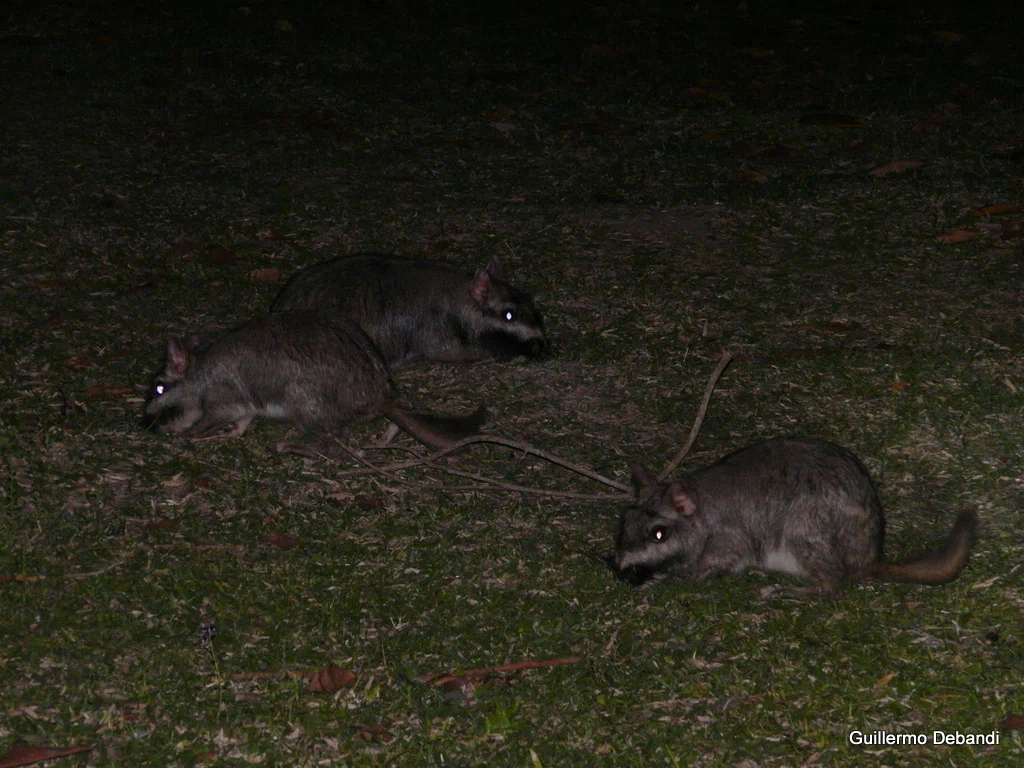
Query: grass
{"points": [[155, 156]]}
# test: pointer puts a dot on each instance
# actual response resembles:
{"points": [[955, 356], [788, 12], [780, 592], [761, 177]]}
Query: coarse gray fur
{"points": [[415, 309], [803, 507], [317, 370]]}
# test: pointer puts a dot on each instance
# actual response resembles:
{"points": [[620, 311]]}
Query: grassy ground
{"points": [[669, 183]]}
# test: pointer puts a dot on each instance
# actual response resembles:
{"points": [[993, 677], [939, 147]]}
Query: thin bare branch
{"points": [[699, 421], [518, 666], [515, 445]]}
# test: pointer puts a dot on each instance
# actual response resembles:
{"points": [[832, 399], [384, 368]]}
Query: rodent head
{"points": [[512, 324], [169, 405], [659, 533]]}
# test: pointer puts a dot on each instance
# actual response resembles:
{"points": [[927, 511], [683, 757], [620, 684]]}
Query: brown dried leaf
{"points": [[369, 503], [947, 36], [833, 326], [268, 275], [30, 755], [958, 236], [997, 210], [1013, 723], [281, 540], [898, 386], [747, 175], [461, 687], [220, 254], [437, 246], [883, 681], [104, 390], [896, 166], [330, 679], [21, 577], [373, 733], [830, 120]]}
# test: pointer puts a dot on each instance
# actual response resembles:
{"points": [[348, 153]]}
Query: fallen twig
{"points": [[695, 430], [438, 678], [493, 439]]}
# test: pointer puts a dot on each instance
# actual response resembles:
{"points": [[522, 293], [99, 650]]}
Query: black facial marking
{"points": [[154, 420], [501, 343], [636, 575]]}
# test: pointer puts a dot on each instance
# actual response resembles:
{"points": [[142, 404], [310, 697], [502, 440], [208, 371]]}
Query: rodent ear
{"points": [[480, 286], [495, 270], [682, 501], [177, 356], [642, 479], [192, 343]]}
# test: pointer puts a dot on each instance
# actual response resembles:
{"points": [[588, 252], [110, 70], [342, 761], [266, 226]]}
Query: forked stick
{"points": [[493, 484], [712, 383], [514, 444]]}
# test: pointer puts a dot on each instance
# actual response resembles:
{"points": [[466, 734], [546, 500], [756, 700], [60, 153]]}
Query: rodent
{"points": [[799, 506]]}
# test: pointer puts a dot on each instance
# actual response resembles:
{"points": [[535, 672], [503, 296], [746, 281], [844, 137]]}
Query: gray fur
{"points": [[804, 507], [318, 371], [415, 309]]}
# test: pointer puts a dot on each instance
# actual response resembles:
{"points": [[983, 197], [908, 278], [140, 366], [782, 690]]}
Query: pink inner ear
{"points": [[177, 356], [681, 500], [480, 286]]}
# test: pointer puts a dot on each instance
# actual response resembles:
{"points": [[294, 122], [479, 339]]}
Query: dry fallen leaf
{"points": [[330, 679], [220, 254], [30, 755], [1013, 723], [997, 210], [746, 174], [896, 166], [101, 390], [161, 525], [947, 36], [830, 120], [460, 687], [883, 681], [281, 540], [369, 503], [958, 236], [268, 275], [21, 577], [373, 733], [898, 386]]}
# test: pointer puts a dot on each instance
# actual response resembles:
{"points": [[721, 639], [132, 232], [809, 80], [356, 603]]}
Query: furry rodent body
{"points": [[414, 309], [316, 370], [804, 507]]}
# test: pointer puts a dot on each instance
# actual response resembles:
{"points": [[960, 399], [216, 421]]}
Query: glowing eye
{"points": [[159, 389], [659, 534], [508, 316]]}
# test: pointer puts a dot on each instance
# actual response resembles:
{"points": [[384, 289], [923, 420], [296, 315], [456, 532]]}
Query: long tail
{"points": [[436, 431], [936, 567]]}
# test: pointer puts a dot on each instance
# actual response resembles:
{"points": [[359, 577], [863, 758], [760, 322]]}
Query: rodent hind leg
{"points": [[388, 435], [813, 560], [222, 424]]}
